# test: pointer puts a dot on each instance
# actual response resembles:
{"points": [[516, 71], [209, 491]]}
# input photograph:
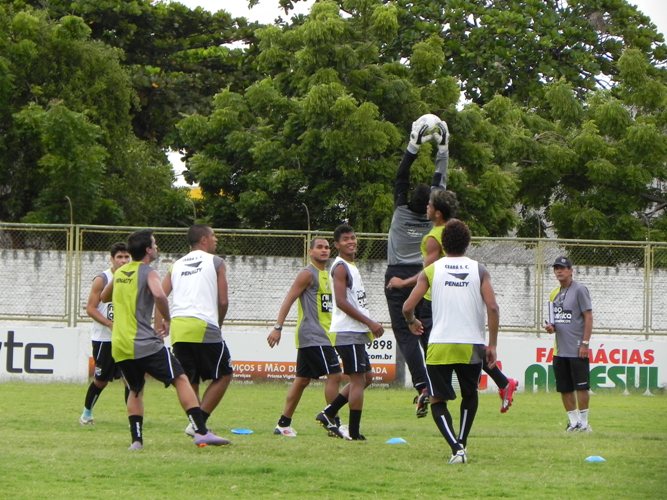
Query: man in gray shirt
{"points": [[571, 318], [409, 224]]}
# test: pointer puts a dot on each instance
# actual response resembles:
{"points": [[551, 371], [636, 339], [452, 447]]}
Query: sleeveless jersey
{"points": [[314, 311], [133, 336], [436, 234], [458, 308], [100, 332], [344, 329], [194, 309], [569, 305]]}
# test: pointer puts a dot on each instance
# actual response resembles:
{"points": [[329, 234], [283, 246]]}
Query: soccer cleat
{"points": [[284, 431], [329, 424], [190, 430], [422, 404], [459, 457], [345, 431], [86, 419], [209, 438], [360, 437], [507, 394], [584, 428], [136, 446], [573, 428]]}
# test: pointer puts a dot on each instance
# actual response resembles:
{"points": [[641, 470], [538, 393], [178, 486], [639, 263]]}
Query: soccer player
{"points": [[409, 224], [102, 315], [315, 354], [199, 307], [139, 349], [350, 325], [573, 324], [441, 207], [461, 294]]}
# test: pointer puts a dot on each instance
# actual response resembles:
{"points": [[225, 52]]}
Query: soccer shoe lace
{"points": [[284, 431]]}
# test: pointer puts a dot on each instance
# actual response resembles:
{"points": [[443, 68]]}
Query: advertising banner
{"points": [[621, 365], [44, 354], [52, 354], [254, 360]]}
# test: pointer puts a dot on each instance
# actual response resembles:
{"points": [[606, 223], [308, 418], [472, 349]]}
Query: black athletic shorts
{"points": [[354, 357], [162, 366], [203, 361], [572, 374], [105, 366], [316, 361], [440, 379]]}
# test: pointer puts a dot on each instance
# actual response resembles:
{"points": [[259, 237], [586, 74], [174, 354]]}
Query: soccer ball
{"points": [[431, 121]]}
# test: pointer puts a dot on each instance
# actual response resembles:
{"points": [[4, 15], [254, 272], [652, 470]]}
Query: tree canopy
{"points": [[556, 112]]}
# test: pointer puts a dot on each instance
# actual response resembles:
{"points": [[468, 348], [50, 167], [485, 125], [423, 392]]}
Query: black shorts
{"points": [[572, 374], [162, 366], [105, 366], [316, 361], [355, 358], [440, 380], [203, 361]]}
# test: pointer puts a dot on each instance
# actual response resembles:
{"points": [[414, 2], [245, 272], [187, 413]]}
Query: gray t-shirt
{"points": [[569, 304], [405, 235]]}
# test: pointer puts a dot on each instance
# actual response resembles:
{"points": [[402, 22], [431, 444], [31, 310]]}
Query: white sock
{"points": [[573, 417], [583, 417]]}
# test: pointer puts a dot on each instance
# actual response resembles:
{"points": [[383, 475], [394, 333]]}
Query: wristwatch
{"points": [[278, 326]]}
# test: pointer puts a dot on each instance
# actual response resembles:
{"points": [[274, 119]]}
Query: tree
{"points": [[66, 128], [324, 127]]}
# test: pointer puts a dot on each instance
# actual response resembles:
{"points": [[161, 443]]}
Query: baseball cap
{"points": [[562, 262]]}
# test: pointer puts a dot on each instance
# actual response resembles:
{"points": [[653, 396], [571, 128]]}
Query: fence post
{"points": [[648, 289]]}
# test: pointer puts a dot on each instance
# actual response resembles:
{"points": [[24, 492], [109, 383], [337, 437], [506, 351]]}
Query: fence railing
{"points": [[46, 270]]}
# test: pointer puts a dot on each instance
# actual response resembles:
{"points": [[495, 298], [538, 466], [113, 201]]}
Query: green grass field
{"points": [[524, 453]]}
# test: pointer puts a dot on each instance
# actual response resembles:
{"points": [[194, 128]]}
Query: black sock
{"points": [[443, 420], [196, 418], [284, 421], [332, 409], [91, 396], [355, 421], [136, 427], [206, 415], [497, 376]]}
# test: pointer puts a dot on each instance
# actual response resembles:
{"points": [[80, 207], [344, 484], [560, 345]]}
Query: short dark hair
{"points": [[341, 230], [445, 202], [197, 232], [138, 242], [119, 246], [419, 198], [312, 242], [455, 237]]}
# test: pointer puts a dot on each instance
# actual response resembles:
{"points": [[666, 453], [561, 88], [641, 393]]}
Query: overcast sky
{"points": [[266, 11]]}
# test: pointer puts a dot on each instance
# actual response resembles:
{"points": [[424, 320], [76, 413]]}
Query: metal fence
{"points": [[46, 272]]}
